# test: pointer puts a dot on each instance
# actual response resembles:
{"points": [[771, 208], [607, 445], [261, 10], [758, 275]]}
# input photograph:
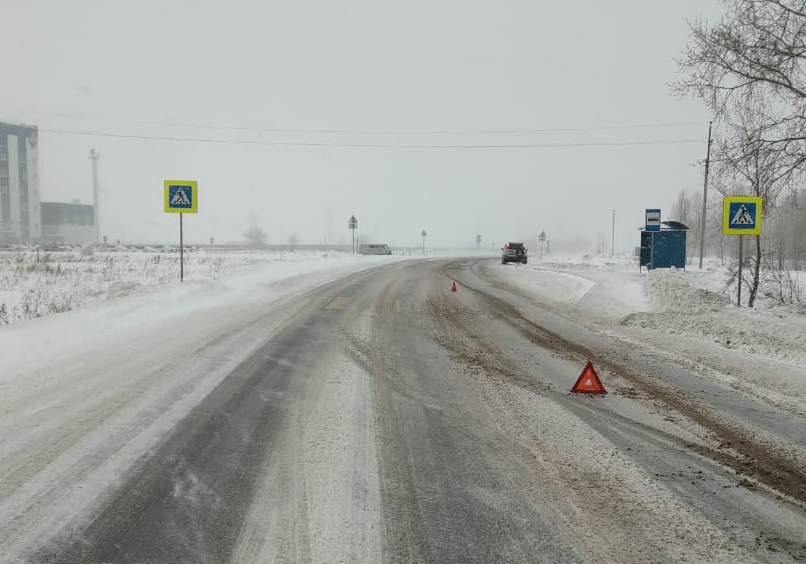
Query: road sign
{"points": [[181, 196], [741, 215], [652, 220], [588, 382]]}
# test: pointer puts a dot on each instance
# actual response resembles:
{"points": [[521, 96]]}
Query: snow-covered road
{"points": [[369, 414]]}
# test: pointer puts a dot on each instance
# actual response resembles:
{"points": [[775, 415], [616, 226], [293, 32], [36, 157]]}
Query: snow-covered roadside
{"points": [[690, 304], [686, 315], [40, 343], [38, 284]]}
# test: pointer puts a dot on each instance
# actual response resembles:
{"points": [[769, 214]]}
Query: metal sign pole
{"points": [[181, 250], [741, 259]]}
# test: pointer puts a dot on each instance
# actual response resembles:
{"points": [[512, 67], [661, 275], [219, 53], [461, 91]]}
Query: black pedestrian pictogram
{"points": [[742, 217]]}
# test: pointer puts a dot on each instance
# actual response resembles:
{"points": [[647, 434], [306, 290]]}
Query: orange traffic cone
{"points": [[453, 287]]}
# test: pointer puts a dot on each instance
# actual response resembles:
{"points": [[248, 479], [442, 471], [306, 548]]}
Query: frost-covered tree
{"points": [[255, 237]]}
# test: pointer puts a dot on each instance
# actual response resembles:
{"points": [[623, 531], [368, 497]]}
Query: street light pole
{"points": [[94, 156], [423, 235], [613, 237]]}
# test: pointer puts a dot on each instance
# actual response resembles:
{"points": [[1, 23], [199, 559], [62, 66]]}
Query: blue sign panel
{"points": [[180, 197], [742, 215]]}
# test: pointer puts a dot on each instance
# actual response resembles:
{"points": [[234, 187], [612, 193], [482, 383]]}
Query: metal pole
{"points": [[423, 245], [705, 194], [741, 259], [181, 250], [613, 239], [94, 156]]}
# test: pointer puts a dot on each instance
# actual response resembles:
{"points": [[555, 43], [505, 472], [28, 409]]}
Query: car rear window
{"points": [[515, 245]]}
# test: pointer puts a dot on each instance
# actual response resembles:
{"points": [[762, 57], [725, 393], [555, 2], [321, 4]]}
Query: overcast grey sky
{"points": [[360, 65]]}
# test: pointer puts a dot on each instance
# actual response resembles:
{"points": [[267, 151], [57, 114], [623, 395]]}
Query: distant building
{"points": [[19, 184], [67, 223]]}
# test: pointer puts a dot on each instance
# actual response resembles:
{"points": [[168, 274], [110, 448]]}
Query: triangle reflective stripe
{"points": [[742, 217], [588, 382], [180, 198]]}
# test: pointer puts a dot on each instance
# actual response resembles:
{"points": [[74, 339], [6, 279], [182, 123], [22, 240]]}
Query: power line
{"points": [[500, 131], [370, 145]]}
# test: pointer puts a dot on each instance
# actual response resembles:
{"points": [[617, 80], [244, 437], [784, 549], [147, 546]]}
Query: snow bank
{"points": [[699, 304]]}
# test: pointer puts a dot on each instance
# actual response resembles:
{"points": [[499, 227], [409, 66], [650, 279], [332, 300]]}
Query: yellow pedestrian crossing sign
{"points": [[181, 196], [741, 215]]}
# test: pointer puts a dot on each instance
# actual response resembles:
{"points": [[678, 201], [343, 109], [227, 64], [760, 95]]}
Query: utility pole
{"points": [[705, 194], [613, 237], [94, 156]]}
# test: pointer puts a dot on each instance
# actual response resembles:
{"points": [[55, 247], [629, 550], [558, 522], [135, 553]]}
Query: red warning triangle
{"points": [[588, 382]]}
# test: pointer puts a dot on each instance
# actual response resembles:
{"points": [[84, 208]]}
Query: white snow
{"points": [[30, 344], [37, 284], [85, 394], [690, 315]]}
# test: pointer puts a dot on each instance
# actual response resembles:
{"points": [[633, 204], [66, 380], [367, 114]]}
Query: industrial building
{"points": [[20, 220], [68, 223]]}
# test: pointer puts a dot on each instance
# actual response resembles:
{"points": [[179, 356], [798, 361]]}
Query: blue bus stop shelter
{"points": [[665, 248]]}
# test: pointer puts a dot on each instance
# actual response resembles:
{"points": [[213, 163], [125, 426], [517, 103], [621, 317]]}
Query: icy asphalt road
{"points": [[382, 418]]}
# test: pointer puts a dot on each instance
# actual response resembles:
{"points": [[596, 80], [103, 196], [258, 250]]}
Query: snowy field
{"points": [[34, 285]]}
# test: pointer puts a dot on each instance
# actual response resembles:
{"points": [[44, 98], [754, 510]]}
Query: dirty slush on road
{"points": [[473, 329]]}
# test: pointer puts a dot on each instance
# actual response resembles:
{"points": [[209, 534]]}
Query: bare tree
{"points": [[685, 210], [255, 236], [746, 163], [756, 51], [682, 208], [748, 68]]}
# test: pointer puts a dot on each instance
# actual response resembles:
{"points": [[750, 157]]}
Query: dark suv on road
{"points": [[513, 252]]}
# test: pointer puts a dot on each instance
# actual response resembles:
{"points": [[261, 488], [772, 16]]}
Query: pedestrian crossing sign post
{"points": [[181, 196], [741, 215]]}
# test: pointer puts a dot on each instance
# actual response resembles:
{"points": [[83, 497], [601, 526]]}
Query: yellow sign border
{"points": [[727, 201], [194, 195]]}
